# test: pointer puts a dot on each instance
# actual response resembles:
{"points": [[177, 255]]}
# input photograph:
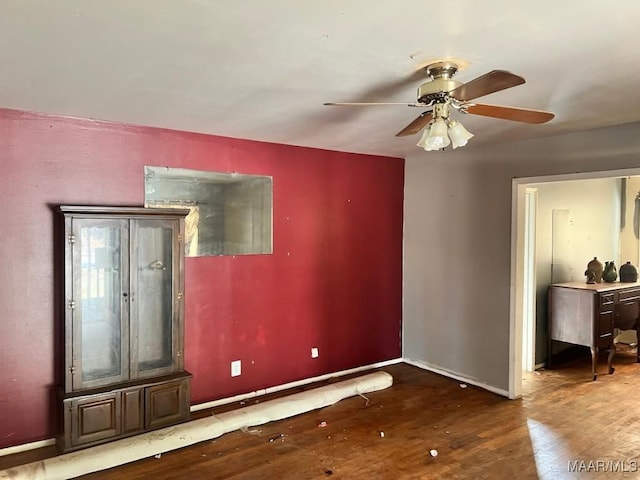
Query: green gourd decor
{"points": [[610, 273]]}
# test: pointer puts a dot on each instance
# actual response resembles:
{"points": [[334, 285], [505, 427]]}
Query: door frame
{"points": [[518, 232]]}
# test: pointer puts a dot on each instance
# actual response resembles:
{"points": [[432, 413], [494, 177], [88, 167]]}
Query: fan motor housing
{"points": [[436, 90]]}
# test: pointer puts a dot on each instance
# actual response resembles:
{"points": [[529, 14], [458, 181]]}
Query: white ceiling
{"points": [[261, 69]]}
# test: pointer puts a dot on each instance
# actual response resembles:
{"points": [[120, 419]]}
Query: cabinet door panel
{"points": [[167, 403], [100, 296], [154, 321], [132, 410], [95, 418]]}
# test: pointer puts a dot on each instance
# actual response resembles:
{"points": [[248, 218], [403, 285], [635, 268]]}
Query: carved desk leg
{"points": [[638, 341], [612, 352], [594, 361]]}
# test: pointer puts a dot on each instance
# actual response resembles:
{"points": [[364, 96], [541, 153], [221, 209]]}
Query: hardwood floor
{"points": [[564, 422]]}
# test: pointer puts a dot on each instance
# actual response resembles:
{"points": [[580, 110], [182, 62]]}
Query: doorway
{"points": [[526, 282]]}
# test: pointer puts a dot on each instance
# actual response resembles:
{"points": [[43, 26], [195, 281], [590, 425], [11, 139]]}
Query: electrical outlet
{"points": [[314, 352], [236, 368]]}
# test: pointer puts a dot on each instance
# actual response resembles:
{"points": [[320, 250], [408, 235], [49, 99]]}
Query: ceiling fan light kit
{"points": [[459, 135], [435, 137], [442, 132], [441, 94]]}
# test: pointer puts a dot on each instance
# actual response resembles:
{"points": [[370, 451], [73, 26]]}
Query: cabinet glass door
{"points": [[100, 298], [153, 254]]}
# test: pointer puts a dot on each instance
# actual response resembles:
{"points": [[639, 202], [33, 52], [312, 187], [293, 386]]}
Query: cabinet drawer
{"points": [[167, 403], [631, 294], [606, 299]]}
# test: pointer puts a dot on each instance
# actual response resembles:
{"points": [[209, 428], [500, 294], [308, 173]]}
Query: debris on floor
{"points": [[273, 439], [158, 455], [381, 434], [434, 452], [463, 385], [328, 472], [255, 431], [322, 424]]}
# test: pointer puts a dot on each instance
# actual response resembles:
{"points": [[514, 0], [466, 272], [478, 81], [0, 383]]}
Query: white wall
{"points": [[594, 227], [457, 243]]}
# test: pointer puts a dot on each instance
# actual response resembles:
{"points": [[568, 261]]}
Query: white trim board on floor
{"points": [[27, 446], [285, 386]]}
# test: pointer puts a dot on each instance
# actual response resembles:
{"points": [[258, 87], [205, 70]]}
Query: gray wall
{"points": [[457, 242]]}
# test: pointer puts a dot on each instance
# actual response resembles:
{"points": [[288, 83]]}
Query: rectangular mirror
{"points": [[230, 213]]}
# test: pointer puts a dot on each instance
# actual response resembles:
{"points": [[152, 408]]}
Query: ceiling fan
{"points": [[442, 94]]}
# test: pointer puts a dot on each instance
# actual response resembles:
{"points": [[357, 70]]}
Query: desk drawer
{"points": [[606, 299], [604, 326], [604, 330], [631, 294]]}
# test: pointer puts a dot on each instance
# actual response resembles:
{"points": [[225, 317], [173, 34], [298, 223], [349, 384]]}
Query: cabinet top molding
{"points": [[129, 211]]}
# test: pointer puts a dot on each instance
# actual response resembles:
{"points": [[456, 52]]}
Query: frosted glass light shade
{"points": [[459, 135], [437, 137], [425, 134]]}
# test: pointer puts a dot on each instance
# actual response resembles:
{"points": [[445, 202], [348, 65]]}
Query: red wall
{"points": [[334, 280]]}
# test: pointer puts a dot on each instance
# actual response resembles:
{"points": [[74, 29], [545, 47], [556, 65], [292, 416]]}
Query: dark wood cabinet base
{"points": [[98, 416], [588, 314]]}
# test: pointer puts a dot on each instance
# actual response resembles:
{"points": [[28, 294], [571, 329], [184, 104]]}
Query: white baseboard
{"points": [[224, 401], [27, 446], [456, 376], [285, 386]]}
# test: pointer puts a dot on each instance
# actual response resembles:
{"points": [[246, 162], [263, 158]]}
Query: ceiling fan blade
{"points": [[416, 125], [510, 113], [491, 82], [371, 104]]}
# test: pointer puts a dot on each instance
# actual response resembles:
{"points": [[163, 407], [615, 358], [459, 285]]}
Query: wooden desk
{"points": [[586, 314]]}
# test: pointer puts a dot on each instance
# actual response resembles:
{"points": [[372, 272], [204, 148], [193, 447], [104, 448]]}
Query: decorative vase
{"points": [[628, 273], [610, 273], [591, 277], [596, 267]]}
